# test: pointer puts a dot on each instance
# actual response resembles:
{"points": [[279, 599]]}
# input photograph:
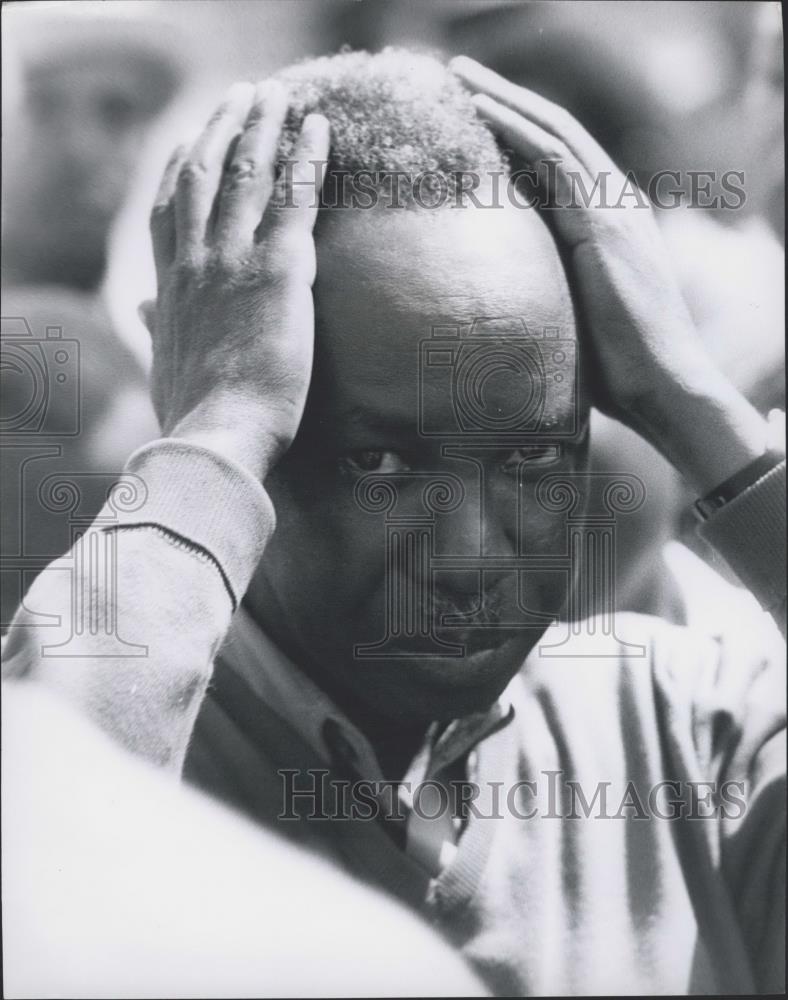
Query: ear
{"points": [[147, 313]]}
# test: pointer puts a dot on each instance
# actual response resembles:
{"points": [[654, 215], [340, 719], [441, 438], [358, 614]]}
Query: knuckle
{"points": [[188, 270], [242, 170], [177, 157], [219, 115], [223, 264], [192, 173]]}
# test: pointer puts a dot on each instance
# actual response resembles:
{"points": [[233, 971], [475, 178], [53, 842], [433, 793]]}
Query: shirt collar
{"points": [[283, 687]]}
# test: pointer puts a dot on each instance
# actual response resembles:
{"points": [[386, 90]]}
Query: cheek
{"points": [[536, 530], [326, 551], [541, 532], [545, 534]]}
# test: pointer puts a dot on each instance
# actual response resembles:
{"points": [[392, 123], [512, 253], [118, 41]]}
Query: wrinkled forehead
{"points": [[405, 299], [448, 264]]}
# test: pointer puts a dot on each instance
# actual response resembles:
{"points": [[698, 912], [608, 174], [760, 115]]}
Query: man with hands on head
{"points": [[284, 345]]}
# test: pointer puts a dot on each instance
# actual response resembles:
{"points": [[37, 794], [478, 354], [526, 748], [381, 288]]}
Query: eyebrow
{"points": [[406, 425], [363, 416]]}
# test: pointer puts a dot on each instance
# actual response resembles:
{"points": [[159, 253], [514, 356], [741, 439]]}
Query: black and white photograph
{"points": [[393, 525]]}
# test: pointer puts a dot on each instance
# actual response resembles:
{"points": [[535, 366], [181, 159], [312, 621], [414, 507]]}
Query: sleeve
{"points": [[750, 535], [740, 728], [737, 694], [127, 623]]}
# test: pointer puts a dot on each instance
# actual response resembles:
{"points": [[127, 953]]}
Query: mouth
{"points": [[475, 642], [482, 639], [477, 628]]}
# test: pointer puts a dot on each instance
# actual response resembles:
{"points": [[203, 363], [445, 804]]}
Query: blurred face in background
{"points": [[763, 108], [82, 120]]}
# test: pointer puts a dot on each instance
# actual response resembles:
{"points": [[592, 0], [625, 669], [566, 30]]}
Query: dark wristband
{"points": [[738, 483]]}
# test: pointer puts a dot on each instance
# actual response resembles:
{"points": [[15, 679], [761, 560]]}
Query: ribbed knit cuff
{"points": [[207, 501], [749, 533]]}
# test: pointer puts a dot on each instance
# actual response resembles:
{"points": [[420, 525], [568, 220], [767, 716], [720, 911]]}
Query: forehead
{"points": [[389, 280]]}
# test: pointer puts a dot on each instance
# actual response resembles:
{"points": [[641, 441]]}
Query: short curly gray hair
{"points": [[391, 112]]}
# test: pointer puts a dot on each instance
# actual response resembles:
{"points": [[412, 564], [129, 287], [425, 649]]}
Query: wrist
{"points": [[239, 431], [708, 431]]}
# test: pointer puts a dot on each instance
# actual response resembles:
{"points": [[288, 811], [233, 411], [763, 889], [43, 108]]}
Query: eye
{"points": [[536, 456], [384, 462]]}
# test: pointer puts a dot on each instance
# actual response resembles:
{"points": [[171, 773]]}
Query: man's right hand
{"points": [[233, 326]]}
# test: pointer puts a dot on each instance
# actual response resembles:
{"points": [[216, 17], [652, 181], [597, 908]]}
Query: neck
{"points": [[394, 740]]}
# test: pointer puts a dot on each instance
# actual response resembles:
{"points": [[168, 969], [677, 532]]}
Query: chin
{"points": [[427, 688]]}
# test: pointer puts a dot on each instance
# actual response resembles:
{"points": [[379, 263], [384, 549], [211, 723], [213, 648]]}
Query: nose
{"points": [[483, 525]]}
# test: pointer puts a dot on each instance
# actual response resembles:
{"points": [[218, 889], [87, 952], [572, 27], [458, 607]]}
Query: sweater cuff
{"points": [[749, 532], [206, 500]]}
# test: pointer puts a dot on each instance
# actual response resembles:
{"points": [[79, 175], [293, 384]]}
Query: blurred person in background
{"points": [[84, 89], [90, 89]]}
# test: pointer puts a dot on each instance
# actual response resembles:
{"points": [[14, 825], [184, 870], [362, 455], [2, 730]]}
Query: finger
{"points": [[201, 172], [532, 142], [547, 115], [559, 174], [249, 176], [162, 216], [305, 175]]}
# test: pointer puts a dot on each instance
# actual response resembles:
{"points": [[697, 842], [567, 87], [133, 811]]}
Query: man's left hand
{"points": [[651, 370]]}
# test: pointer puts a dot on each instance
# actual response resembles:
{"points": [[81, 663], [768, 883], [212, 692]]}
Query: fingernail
{"points": [[316, 124], [461, 64]]}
